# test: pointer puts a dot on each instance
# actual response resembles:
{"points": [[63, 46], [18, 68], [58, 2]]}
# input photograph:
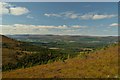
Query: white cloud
{"points": [[78, 26], [73, 15], [30, 29], [103, 16], [7, 8], [61, 27], [69, 30], [114, 25], [55, 15], [23, 28], [91, 16], [3, 8], [18, 10], [39, 26], [70, 14], [86, 16], [97, 16]]}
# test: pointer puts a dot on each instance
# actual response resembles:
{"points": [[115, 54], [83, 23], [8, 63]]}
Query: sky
{"points": [[60, 18]]}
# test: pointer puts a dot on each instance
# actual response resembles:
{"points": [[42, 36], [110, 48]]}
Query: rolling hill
{"points": [[14, 51], [70, 44], [9, 49], [17, 54], [99, 64]]}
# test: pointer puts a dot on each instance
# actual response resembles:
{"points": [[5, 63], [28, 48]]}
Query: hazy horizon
{"points": [[61, 35]]}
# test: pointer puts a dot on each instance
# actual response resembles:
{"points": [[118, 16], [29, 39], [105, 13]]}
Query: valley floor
{"points": [[100, 64]]}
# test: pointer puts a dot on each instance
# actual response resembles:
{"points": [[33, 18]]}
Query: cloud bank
{"points": [[88, 16], [25, 28]]}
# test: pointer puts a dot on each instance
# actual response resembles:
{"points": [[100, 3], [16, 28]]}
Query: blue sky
{"points": [[61, 18]]}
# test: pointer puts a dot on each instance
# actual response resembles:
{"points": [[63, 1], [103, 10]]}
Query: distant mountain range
{"points": [[70, 40]]}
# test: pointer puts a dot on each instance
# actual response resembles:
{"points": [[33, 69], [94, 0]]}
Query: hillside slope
{"points": [[17, 54], [8, 40], [103, 63], [9, 49], [13, 52]]}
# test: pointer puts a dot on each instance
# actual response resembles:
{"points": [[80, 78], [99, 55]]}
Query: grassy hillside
{"points": [[9, 49], [16, 54], [99, 64]]}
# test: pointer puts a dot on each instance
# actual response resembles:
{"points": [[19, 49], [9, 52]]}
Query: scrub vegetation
{"points": [[22, 59]]}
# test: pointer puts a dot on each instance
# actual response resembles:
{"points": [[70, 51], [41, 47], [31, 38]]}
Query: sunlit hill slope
{"points": [[99, 64]]}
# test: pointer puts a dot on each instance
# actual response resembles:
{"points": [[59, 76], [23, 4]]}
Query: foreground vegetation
{"points": [[22, 59], [22, 54], [99, 64]]}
